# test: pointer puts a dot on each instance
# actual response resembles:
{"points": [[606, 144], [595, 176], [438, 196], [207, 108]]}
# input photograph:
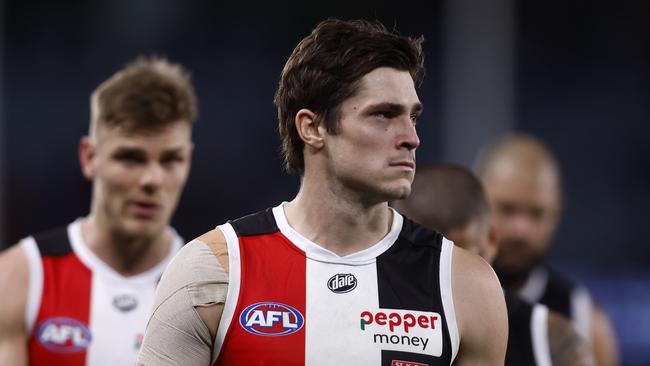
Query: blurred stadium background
{"points": [[574, 73]]}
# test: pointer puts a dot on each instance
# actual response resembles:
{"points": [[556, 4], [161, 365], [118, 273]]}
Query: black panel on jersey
{"points": [[408, 277], [259, 223], [53, 243], [408, 272], [520, 342], [557, 295], [387, 358]]}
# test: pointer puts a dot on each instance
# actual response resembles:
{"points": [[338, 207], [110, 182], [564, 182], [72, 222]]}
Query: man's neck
{"points": [[343, 225], [127, 255]]}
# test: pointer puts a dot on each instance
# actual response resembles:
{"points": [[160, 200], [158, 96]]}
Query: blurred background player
{"points": [[451, 199], [523, 185], [81, 294]]}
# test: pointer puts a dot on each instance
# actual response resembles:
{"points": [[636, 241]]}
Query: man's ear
{"points": [[307, 127], [87, 157]]}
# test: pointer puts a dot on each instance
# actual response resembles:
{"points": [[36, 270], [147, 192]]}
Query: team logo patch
{"points": [[271, 319], [64, 335], [341, 283], [125, 302], [406, 363]]}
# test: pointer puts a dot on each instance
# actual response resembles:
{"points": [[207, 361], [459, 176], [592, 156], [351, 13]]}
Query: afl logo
{"points": [[65, 335], [271, 319], [341, 283]]}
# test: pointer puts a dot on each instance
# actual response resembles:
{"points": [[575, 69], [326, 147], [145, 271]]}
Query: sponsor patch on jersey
{"points": [[403, 330], [406, 363], [125, 302], [65, 335], [341, 283], [271, 319]]}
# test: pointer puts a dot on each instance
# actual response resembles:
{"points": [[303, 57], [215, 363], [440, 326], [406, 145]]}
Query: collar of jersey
{"points": [[92, 261], [317, 252]]}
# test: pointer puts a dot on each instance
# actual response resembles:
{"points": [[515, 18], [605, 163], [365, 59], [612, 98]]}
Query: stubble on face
{"points": [[373, 151]]}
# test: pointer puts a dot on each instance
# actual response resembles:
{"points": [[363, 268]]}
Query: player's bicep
{"points": [[480, 311], [603, 338], [566, 346], [177, 332], [13, 285]]}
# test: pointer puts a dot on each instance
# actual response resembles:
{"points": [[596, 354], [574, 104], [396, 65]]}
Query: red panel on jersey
{"points": [[270, 312], [61, 333]]}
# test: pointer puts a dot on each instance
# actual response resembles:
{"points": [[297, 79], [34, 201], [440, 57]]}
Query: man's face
{"points": [[525, 208], [373, 151], [138, 177]]}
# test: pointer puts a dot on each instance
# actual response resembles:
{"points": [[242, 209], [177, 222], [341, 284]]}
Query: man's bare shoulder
{"points": [[480, 310], [14, 281], [472, 271], [14, 285]]}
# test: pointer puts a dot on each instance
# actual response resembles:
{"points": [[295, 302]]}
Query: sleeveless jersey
{"points": [[548, 287], [79, 310], [292, 302], [527, 333]]}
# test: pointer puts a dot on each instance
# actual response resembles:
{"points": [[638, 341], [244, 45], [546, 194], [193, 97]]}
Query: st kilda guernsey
{"points": [[292, 302]]}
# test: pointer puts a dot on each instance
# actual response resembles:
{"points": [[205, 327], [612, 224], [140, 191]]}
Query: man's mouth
{"points": [[144, 209]]}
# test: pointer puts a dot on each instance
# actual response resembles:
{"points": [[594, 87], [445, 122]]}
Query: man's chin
{"points": [[143, 228]]}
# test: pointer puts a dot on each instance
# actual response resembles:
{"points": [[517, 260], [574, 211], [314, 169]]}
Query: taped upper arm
{"points": [[176, 332]]}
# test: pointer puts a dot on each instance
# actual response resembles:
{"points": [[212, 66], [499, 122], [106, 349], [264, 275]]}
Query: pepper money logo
{"points": [[404, 330], [271, 319], [64, 335]]}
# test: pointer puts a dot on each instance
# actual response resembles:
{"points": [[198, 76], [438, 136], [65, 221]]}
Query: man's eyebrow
{"points": [[395, 107]]}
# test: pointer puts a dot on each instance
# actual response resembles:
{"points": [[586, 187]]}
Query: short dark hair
{"points": [[324, 70], [445, 197], [149, 92]]}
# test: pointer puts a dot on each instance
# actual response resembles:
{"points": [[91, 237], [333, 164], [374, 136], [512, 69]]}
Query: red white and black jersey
{"points": [[79, 310], [292, 302], [548, 287]]}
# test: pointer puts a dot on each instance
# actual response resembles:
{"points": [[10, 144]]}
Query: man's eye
{"points": [[130, 158], [171, 159]]}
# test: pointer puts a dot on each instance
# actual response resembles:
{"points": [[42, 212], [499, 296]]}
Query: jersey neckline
{"points": [[315, 251], [92, 261]]}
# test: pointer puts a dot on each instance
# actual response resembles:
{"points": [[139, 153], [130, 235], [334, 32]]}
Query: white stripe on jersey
{"points": [[234, 279], [447, 295], [539, 335]]}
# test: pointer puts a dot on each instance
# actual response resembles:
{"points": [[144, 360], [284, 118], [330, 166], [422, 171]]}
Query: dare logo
{"points": [[271, 319], [342, 283], [65, 335]]}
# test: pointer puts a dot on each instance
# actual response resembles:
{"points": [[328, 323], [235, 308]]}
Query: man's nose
{"points": [[152, 177], [408, 136]]}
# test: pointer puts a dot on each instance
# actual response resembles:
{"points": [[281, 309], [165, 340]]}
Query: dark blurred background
{"points": [[574, 73]]}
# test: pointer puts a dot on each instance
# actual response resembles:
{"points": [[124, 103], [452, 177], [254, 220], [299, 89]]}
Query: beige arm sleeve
{"points": [[175, 334]]}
